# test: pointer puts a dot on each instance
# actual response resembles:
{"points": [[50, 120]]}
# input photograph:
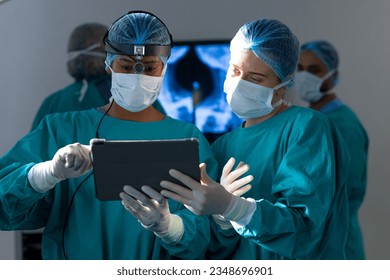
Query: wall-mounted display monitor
{"points": [[193, 87]]}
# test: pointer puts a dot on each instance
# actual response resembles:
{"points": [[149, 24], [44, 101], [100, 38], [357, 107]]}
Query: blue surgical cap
{"points": [[327, 53], [272, 42], [324, 51], [138, 28]]}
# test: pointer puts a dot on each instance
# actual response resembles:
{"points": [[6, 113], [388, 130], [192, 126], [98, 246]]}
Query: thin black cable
{"points": [[67, 215], [101, 119], [78, 187]]}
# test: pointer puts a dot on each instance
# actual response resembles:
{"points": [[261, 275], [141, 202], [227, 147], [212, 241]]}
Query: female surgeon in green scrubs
{"points": [[46, 177], [297, 207]]}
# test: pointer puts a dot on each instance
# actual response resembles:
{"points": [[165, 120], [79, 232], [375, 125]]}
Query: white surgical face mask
{"points": [[135, 92], [308, 85], [249, 100]]}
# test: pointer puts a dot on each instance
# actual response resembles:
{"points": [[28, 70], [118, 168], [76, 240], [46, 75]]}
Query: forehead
{"points": [[248, 61], [308, 58]]}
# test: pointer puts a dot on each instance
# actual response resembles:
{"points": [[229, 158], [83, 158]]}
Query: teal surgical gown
{"points": [[70, 98], [300, 193], [95, 229], [357, 142]]}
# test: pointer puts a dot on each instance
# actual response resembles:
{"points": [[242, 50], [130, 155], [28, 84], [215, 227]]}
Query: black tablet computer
{"points": [[140, 162]]}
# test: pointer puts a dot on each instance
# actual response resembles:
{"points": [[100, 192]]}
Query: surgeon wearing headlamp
{"points": [[46, 177]]}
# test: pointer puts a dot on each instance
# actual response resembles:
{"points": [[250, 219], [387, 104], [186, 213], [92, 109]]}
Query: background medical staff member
{"points": [[91, 85], [315, 81], [297, 207], [46, 177]]}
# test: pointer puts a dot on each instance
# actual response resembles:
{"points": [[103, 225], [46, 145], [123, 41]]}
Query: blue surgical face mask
{"points": [[249, 100], [135, 92], [308, 86]]}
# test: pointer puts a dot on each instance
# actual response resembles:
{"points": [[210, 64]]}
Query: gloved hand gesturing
{"points": [[234, 186], [206, 197], [152, 211], [229, 178], [70, 161]]}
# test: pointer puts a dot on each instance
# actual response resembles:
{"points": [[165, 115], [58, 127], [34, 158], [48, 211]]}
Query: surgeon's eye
{"points": [[149, 69], [127, 68]]}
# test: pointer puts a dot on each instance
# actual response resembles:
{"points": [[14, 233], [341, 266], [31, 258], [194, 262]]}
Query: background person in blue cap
{"points": [[315, 81], [297, 207], [46, 177]]}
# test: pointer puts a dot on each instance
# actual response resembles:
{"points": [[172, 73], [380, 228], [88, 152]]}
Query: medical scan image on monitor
{"points": [[193, 87]]}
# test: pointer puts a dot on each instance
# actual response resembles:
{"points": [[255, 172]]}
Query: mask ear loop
{"points": [[278, 103], [324, 78]]}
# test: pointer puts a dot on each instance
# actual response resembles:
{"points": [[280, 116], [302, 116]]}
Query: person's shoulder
{"points": [[305, 115], [73, 87], [70, 116]]}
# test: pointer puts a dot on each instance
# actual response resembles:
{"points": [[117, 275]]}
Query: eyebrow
{"points": [[251, 72], [258, 74]]}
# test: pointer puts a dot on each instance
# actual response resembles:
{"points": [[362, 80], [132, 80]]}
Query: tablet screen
{"points": [[138, 163]]}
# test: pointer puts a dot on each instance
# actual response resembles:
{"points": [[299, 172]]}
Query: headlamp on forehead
{"points": [[139, 51]]}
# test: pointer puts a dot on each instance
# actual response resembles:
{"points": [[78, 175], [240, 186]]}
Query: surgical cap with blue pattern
{"points": [[138, 28], [272, 42]]}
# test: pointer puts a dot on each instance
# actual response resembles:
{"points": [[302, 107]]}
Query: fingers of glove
{"points": [[129, 201], [232, 176], [227, 168], [154, 195], [175, 195], [242, 190], [173, 188], [127, 206], [145, 222], [131, 205], [82, 157], [204, 176], [239, 183], [144, 200], [73, 156], [185, 179], [143, 213]]}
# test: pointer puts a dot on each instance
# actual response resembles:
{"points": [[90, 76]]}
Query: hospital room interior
{"points": [[34, 39]]}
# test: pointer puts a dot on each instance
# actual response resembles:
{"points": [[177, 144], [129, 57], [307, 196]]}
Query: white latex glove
{"points": [[152, 211], [229, 179], [205, 198], [70, 161]]}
